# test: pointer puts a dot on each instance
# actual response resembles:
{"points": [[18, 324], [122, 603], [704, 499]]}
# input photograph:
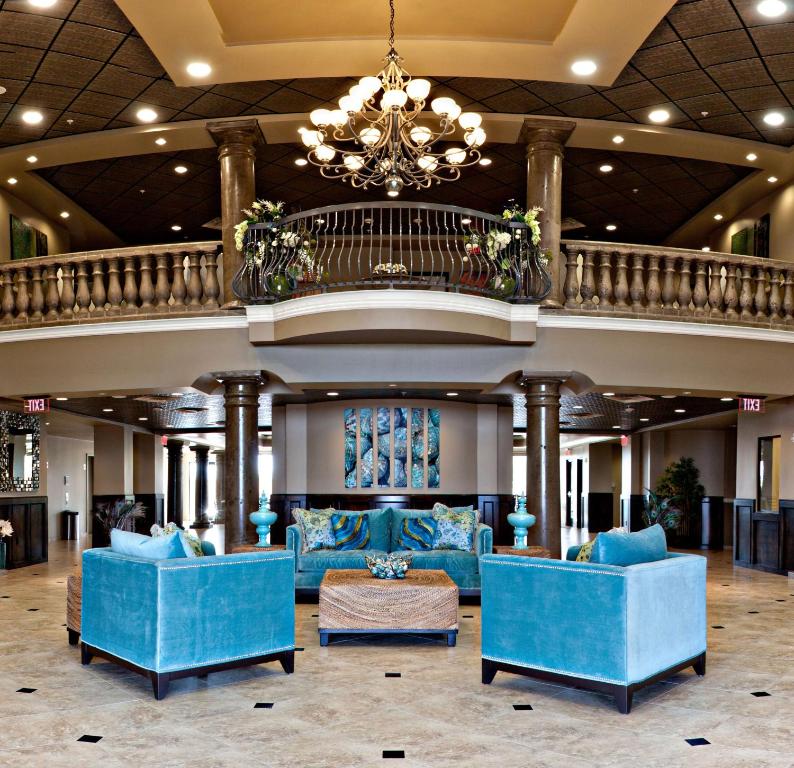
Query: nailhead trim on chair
{"points": [[525, 564], [247, 561]]}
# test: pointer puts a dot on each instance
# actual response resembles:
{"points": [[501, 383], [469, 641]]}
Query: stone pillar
{"points": [[241, 396], [545, 140], [174, 481], [220, 484], [543, 459], [236, 140], [200, 519]]}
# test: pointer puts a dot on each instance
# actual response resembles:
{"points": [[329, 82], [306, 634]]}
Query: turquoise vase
{"points": [[263, 518], [521, 521]]}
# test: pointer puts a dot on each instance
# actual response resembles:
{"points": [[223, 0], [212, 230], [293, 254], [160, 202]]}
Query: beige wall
{"points": [[778, 420], [57, 236], [147, 463], [112, 459], [66, 474], [707, 448]]}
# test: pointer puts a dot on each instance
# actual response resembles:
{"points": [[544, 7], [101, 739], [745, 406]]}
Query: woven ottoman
{"points": [[355, 602], [74, 599]]}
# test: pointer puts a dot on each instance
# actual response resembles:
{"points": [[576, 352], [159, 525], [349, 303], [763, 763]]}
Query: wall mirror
{"points": [[19, 452]]}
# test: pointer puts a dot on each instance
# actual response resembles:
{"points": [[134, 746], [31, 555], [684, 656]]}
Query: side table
{"points": [[251, 548], [506, 549]]}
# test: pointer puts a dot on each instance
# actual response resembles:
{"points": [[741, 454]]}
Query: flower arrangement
{"points": [[260, 212], [530, 218], [6, 529]]}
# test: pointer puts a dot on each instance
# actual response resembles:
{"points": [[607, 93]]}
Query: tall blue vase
{"points": [[263, 518], [521, 521]]}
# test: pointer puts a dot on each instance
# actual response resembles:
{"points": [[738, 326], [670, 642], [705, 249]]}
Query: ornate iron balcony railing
{"points": [[391, 245]]}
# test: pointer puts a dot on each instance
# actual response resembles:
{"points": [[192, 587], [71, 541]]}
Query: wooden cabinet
{"points": [[28, 516], [764, 540]]}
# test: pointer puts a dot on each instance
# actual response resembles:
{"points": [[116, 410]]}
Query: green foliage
{"points": [[661, 510], [681, 480], [118, 514]]}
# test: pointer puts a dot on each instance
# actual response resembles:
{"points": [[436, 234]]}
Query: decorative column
{"points": [[174, 488], [220, 484], [200, 519], [236, 140], [241, 396], [543, 458], [545, 140]]}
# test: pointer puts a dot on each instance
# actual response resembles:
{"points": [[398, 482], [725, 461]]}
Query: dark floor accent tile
{"points": [[759, 694], [90, 739], [781, 600], [699, 742], [27, 690], [393, 753], [5, 597], [299, 649], [752, 611], [522, 707], [717, 626], [33, 609], [394, 674], [726, 585], [315, 615], [467, 616], [263, 705]]}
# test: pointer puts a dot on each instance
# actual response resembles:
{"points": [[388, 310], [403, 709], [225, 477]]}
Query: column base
{"points": [[201, 524]]}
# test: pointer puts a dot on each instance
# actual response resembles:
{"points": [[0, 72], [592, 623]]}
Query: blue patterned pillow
{"points": [[351, 531], [456, 529], [417, 533]]}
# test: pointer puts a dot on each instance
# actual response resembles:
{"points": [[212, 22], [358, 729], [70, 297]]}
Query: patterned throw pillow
{"points": [[316, 529], [351, 531], [585, 552], [455, 530], [417, 533], [190, 542]]}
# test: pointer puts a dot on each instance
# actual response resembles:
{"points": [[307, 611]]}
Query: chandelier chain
{"points": [[391, 24]]}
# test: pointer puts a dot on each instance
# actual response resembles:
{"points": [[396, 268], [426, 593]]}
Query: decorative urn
{"points": [[521, 521], [263, 518]]}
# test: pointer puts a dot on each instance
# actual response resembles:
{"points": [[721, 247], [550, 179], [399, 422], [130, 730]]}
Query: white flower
{"points": [[290, 239], [256, 205], [5, 529], [239, 234]]}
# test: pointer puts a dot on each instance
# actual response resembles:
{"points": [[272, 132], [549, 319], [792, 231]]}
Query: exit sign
{"points": [[37, 405], [752, 404]]}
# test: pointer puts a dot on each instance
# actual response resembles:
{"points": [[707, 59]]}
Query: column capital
{"points": [[201, 450], [554, 133], [226, 377], [530, 380], [243, 133], [174, 444]]}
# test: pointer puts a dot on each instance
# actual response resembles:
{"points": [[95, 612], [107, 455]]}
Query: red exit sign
{"points": [[37, 405], [752, 404]]}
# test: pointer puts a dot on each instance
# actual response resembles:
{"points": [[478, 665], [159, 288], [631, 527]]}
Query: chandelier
{"points": [[379, 135]]}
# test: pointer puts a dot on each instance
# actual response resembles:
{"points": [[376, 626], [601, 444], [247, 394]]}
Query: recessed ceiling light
{"points": [[64, 214], [611, 227], [578, 407], [12, 180], [705, 248], [146, 115], [618, 139], [718, 217], [32, 159], [62, 399], [107, 410], [771, 8], [179, 394], [176, 228], [180, 169], [606, 168], [119, 397], [668, 397], [332, 394], [584, 67], [143, 418], [161, 142], [198, 69], [772, 179], [392, 385], [609, 394], [686, 392], [42, 3], [680, 410], [752, 157], [645, 419], [774, 119], [616, 426], [726, 399], [32, 117], [659, 116], [301, 161], [169, 426], [485, 161], [452, 394]]}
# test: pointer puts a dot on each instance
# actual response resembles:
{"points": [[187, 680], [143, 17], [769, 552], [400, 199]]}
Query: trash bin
{"points": [[69, 520]]}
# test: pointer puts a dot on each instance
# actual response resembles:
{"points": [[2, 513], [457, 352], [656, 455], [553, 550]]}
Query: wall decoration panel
{"points": [[384, 448], [366, 446], [350, 448], [433, 447], [400, 447], [417, 447]]}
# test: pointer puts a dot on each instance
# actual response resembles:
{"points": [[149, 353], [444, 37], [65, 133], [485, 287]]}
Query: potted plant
{"points": [[118, 514], [6, 530], [681, 480], [661, 511]]}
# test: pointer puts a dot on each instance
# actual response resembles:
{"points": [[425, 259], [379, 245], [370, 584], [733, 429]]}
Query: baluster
{"points": [[162, 288], [788, 297], [699, 294], [621, 282], [194, 288], [83, 296], [8, 304], [637, 284], [668, 285], [761, 299], [746, 294], [654, 290], [67, 292], [715, 290], [587, 288], [571, 286], [115, 294], [36, 294], [605, 283], [98, 293], [23, 300], [178, 288], [212, 289], [731, 296], [52, 298], [130, 286], [685, 288], [775, 301], [146, 292]]}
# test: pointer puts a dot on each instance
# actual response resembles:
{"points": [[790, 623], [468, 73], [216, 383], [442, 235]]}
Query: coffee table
{"points": [[355, 602]]}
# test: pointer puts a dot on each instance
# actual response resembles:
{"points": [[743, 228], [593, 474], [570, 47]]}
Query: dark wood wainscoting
{"points": [[28, 517], [763, 540], [494, 508]]}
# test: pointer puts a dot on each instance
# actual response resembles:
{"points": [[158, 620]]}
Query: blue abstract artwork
{"points": [[417, 447], [400, 447], [366, 447], [384, 448], [350, 447], [433, 447]]}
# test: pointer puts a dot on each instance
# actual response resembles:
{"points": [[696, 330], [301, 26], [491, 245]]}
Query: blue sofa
{"points": [[606, 628], [168, 619], [462, 567]]}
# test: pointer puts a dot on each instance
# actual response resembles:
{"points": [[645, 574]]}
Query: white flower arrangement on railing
{"points": [[6, 529], [260, 212]]}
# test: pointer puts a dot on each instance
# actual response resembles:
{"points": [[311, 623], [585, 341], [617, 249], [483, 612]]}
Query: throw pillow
{"points": [[618, 548], [585, 552], [190, 542], [146, 547], [417, 533], [316, 530], [455, 530], [351, 532]]}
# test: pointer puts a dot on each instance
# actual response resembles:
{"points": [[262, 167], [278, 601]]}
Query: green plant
{"points": [[681, 480], [118, 514], [661, 511]]}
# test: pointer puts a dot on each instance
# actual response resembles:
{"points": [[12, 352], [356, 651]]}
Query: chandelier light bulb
{"points": [[469, 120], [370, 85], [418, 89], [311, 139], [358, 91], [338, 117], [476, 138], [427, 163], [350, 104], [352, 162], [320, 117], [325, 153], [455, 155], [420, 135], [370, 136], [394, 99], [443, 106]]}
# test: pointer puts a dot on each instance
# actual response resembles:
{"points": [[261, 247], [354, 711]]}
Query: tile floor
{"points": [[345, 706]]}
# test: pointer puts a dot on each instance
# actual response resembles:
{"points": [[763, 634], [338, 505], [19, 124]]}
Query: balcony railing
{"points": [[391, 245], [179, 278], [608, 278]]}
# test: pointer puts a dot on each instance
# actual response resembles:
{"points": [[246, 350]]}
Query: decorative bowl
{"points": [[390, 567]]}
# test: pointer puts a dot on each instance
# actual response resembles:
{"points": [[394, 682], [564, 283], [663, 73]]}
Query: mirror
{"points": [[19, 452]]}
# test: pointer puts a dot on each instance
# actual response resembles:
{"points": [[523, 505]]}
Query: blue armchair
{"points": [[168, 619], [601, 627]]}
